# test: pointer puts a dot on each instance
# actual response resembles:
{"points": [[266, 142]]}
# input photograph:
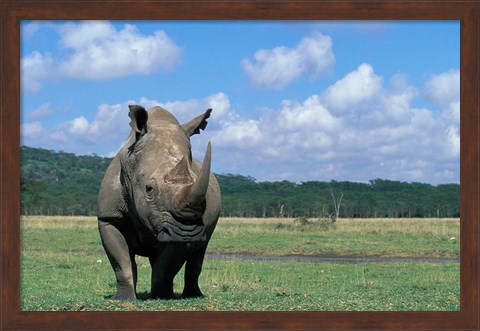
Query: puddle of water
{"points": [[328, 259], [303, 258]]}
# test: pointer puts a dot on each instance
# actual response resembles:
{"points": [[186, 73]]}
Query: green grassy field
{"points": [[357, 237], [63, 267]]}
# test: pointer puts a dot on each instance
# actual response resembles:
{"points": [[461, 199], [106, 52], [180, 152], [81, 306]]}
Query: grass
{"points": [[358, 237], [63, 268]]}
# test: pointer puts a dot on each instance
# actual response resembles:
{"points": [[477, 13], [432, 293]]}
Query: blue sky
{"points": [[291, 100]]}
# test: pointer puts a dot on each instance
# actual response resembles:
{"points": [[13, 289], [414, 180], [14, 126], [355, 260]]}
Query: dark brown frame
{"points": [[12, 11]]}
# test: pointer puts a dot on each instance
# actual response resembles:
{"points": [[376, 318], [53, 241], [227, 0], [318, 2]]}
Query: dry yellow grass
{"points": [[442, 226], [61, 222], [439, 226]]}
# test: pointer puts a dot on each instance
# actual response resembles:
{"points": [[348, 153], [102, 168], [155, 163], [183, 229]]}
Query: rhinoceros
{"points": [[156, 201]]}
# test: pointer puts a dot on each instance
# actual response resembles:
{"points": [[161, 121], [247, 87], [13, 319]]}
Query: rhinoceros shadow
{"points": [[145, 296]]}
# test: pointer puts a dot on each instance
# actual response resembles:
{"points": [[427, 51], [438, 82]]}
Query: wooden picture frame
{"points": [[13, 11]]}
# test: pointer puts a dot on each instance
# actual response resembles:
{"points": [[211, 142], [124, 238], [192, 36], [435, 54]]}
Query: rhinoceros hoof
{"points": [[123, 296], [163, 296], [192, 294]]}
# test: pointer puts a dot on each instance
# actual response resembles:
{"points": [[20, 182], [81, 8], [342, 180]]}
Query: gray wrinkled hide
{"points": [[156, 201]]}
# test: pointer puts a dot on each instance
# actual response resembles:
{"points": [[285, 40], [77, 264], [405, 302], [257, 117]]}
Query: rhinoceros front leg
{"points": [[123, 263], [193, 269], [166, 263]]}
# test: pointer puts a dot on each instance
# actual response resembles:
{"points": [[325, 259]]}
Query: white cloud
{"points": [[453, 141], [301, 139], [452, 112], [311, 115], [35, 68], [185, 110], [97, 50], [78, 126], [241, 134], [31, 129], [396, 103], [28, 30], [357, 86], [110, 125], [387, 138], [43, 111], [221, 103], [101, 52], [83, 35], [276, 68], [444, 89]]}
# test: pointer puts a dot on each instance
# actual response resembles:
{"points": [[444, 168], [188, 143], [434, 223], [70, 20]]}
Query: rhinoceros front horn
{"points": [[194, 204], [199, 188]]}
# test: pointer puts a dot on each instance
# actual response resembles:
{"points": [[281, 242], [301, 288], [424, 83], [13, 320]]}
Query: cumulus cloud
{"points": [[34, 68], [30, 29], [80, 134], [97, 50], [357, 86], [43, 111], [276, 68], [100, 51], [110, 125], [310, 115], [79, 126], [444, 89], [358, 129], [31, 129], [302, 140], [239, 134]]}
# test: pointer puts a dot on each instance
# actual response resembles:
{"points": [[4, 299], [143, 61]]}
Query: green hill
{"points": [[59, 183]]}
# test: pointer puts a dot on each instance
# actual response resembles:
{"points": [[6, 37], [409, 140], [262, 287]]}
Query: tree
{"points": [[337, 201], [64, 183]]}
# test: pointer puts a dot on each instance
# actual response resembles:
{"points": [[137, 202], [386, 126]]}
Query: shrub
{"points": [[326, 223], [302, 221]]}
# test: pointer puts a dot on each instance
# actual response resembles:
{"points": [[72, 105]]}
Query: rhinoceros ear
{"points": [[139, 117], [199, 122]]}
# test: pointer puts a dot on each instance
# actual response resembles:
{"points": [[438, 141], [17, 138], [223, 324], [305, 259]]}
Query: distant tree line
{"points": [[244, 197], [59, 183]]}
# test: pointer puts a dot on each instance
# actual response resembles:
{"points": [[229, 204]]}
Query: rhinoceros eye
{"points": [[149, 189]]}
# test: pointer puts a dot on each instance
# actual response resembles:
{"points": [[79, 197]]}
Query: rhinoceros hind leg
{"points": [[193, 268], [123, 263]]}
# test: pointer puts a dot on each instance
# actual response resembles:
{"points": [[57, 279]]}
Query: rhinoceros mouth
{"points": [[173, 231]]}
